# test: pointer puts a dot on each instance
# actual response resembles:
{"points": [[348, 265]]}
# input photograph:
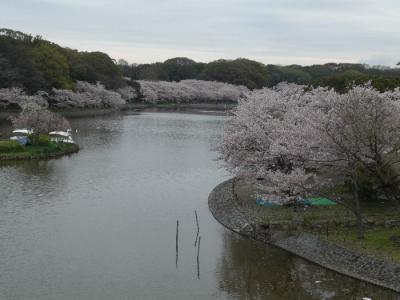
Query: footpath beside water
{"points": [[326, 254]]}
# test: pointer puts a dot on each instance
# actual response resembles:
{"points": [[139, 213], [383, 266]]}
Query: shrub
{"points": [[10, 146], [43, 139]]}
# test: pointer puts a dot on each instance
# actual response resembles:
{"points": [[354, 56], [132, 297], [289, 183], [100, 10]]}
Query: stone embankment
{"points": [[307, 246]]}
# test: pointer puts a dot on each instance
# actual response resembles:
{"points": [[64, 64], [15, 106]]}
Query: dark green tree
{"points": [[239, 71], [53, 64], [180, 68]]}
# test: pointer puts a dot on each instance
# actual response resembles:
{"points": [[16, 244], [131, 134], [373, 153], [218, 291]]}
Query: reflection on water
{"points": [[250, 270], [100, 224], [28, 183]]}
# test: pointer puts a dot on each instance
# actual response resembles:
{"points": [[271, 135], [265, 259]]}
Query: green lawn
{"points": [[10, 150], [376, 243], [334, 223], [374, 212]]}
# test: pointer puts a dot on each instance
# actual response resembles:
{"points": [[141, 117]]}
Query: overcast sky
{"points": [[271, 31]]}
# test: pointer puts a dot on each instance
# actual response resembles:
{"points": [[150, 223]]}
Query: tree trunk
{"points": [[357, 211]]}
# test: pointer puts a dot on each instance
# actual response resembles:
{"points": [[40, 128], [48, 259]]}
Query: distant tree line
{"points": [[255, 75], [251, 74], [34, 64]]}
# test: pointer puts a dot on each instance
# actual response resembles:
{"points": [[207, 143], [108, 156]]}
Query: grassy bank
{"points": [[379, 242], [11, 150], [333, 223]]}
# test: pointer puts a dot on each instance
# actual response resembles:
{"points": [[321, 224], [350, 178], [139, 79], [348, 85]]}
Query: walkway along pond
{"points": [[222, 205]]}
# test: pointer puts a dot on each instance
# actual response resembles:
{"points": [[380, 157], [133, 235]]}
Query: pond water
{"points": [[101, 224]]}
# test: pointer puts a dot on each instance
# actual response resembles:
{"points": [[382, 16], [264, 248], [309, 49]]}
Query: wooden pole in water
{"points": [[177, 245], [198, 258], [197, 221], [198, 229]]}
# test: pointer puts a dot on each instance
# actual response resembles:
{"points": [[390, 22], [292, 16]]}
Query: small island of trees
{"points": [[37, 121]]}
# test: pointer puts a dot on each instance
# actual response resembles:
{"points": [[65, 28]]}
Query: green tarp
{"points": [[320, 201]]}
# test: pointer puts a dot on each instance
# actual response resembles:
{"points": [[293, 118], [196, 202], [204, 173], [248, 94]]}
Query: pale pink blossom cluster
{"points": [[191, 91], [16, 97], [39, 119], [304, 141], [87, 95], [128, 93]]}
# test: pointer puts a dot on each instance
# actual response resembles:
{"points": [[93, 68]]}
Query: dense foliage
{"points": [[240, 71], [255, 75], [35, 64], [174, 69]]}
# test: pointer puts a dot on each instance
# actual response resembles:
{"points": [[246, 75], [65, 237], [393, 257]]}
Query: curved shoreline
{"points": [[326, 254]]}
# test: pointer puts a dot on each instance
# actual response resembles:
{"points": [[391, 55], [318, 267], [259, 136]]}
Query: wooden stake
{"points": [[198, 258], [198, 229], [177, 245]]}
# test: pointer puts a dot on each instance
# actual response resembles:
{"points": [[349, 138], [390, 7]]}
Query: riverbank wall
{"points": [[307, 246]]}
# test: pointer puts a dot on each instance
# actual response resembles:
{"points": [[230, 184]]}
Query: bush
{"points": [[10, 146], [50, 148], [43, 139]]}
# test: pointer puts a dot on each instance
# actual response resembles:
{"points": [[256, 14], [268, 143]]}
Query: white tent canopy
{"points": [[22, 131], [60, 133]]}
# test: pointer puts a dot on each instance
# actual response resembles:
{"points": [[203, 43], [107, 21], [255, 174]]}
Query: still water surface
{"points": [[100, 224]]}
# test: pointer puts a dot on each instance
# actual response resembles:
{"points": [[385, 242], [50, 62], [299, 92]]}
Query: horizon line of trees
{"points": [[256, 75], [35, 64]]}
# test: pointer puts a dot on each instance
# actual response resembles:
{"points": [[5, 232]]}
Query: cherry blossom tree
{"points": [[40, 120], [87, 95], [307, 142], [128, 93], [189, 91], [16, 98]]}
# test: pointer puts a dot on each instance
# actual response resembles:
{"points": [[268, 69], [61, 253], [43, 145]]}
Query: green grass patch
{"points": [[10, 147], [335, 223], [11, 150], [377, 242], [374, 212]]}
